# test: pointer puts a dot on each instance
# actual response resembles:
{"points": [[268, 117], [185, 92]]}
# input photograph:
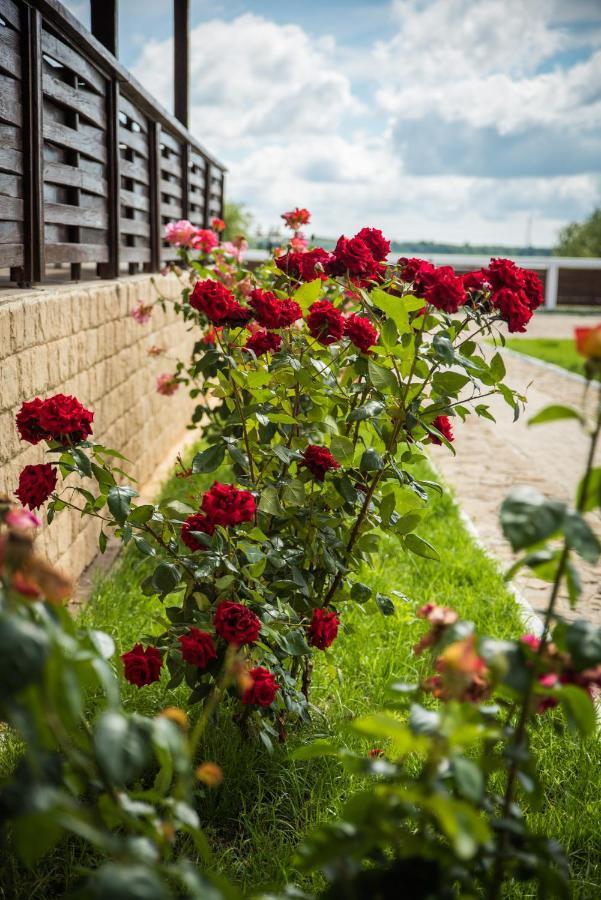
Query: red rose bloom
{"points": [[142, 666], [196, 522], [302, 266], [197, 648], [236, 624], [323, 629], [263, 689], [225, 505], [353, 256], [417, 272], [318, 460], [442, 424], [217, 224], [361, 332], [36, 483], [513, 308], [326, 324], [218, 304], [503, 273], [376, 242], [296, 218], [263, 341], [533, 289], [274, 313], [445, 290], [476, 281], [59, 418]]}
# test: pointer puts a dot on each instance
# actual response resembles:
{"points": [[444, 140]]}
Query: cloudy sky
{"points": [[455, 120]]}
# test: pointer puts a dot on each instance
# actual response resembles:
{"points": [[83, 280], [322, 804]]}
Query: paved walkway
{"points": [[492, 458]]}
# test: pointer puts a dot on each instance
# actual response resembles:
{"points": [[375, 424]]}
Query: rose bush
{"points": [[325, 374]]}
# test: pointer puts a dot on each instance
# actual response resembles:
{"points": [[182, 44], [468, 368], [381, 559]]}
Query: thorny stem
{"points": [[520, 731]]}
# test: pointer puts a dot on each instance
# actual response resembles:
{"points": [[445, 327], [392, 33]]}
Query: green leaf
{"points": [[581, 537], [443, 347], [497, 368], [308, 293], [583, 640], [360, 592], [294, 493], [208, 460], [166, 577], [380, 377], [554, 412], [367, 411], [341, 447], [315, 750], [385, 605], [468, 778], [270, 502], [393, 307], [141, 514], [143, 546], [527, 517], [579, 709], [34, 834], [371, 461], [592, 489], [102, 541], [119, 502], [421, 547], [449, 383]]}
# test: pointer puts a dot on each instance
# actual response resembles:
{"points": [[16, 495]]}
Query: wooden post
{"points": [[154, 174], [206, 215], [113, 170], [33, 177], [185, 181], [105, 23], [181, 64]]}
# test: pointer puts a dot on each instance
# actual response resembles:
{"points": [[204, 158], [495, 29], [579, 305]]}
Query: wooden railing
{"points": [[91, 167]]}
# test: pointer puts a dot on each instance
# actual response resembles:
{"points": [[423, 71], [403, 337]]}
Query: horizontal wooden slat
{"points": [[60, 173], [196, 180], [57, 253], [10, 12], [138, 170], [170, 187], [10, 137], [10, 100], [72, 60], [11, 255], [10, 52], [11, 208], [132, 112], [134, 254], [79, 99], [11, 161], [172, 166], [82, 141], [11, 232], [63, 214], [171, 211], [134, 226], [134, 139], [137, 201], [169, 141], [11, 185]]}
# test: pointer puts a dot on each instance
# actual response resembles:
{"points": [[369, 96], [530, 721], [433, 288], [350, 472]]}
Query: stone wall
{"points": [[82, 340]]}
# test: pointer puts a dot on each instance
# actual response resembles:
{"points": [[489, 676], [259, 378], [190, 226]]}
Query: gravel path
{"points": [[492, 458]]}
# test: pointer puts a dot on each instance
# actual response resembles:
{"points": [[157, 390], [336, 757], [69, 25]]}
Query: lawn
{"points": [[559, 351], [256, 818]]}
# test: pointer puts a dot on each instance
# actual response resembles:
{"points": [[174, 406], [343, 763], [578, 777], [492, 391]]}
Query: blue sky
{"points": [[460, 120]]}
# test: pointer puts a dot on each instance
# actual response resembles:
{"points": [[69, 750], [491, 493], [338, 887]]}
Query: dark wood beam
{"points": [[105, 23], [181, 60]]}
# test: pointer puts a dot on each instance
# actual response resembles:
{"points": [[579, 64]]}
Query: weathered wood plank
{"points": [[10, 100], [11, 255], [63, 214], [11, 185], [173, 166], [78, 99], [137, 201], [171, 211], [137, 169], [11, 232], [133, 113], [11, 161], [82, 141], [168, 140], [10, 137], [62, 53], [135, 254], [10, 12], [134, 226], [11, 208], [172, 188], [60, 173], [197, 179], [10, 52], [66, 253], [134, 139]]}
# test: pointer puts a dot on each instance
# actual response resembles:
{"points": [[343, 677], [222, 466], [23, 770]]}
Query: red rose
{"points": [[196, 522], [353, 256], [59, 418], [326, 324], [445, 290], [36, 483], [503, 273], [318, 460], [304, 266], [476, 281], [197, 648], [323, 629], [361, 332], [376, 242], [274, 313], [533, 289], [296, 218], [217, 224], [236, 624], [263, 689], [225, 505], [263, 341], [417, 272], [218, 304], [142, 666], [442, 424], [513, 308]]}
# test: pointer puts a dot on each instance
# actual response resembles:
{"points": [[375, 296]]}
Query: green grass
{"points": [[559, 351], [266, 803]]}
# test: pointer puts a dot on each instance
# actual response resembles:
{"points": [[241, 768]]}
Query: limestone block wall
{"points": [[82, 340]]}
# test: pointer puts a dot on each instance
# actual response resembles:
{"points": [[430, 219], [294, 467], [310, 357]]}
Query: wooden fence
{"points": [[91, 167]]}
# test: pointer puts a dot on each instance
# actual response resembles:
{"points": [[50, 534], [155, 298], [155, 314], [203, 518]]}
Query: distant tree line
{"points": [[581, 238]]}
